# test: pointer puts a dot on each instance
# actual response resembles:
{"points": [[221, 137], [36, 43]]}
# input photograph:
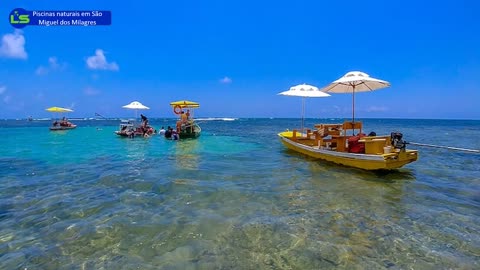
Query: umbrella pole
{"points": [[353, 104], [353, 109], [303, 112]]}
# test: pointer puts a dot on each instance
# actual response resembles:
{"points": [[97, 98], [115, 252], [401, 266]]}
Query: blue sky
{"points": [[234, 57]]}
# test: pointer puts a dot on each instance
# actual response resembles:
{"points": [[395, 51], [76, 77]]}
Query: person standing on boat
{"points": [[184, 117], [188, 114], [144, 121], [181, 122]]}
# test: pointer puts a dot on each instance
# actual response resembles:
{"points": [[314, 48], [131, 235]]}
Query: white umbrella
{"points": [[355, 81], [304, 91], [135, 105]]}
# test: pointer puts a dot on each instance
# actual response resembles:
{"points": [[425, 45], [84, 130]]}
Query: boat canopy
{"points": [[185, 104], [58, 109]]}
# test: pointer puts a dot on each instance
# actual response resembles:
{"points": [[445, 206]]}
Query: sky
{"points": [[234, 57]]}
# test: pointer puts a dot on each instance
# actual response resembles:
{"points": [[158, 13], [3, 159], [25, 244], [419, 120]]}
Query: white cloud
{"points": [[53, 62], [336, 111], [52, 65], [13, 45], [89, 91], [377, 109], [99, 61], [226, 80], [3, 89], [41, 70]]}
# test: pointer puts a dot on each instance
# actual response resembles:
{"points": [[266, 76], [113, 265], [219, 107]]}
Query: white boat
{"points": [[127, 129]]}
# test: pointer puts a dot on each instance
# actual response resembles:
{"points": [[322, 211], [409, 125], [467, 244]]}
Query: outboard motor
{"points": [[397, 141]]}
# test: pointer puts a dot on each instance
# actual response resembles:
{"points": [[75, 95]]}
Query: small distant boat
{"points": [[63, 124], [57, 128], [187, 127], [128, 129]]}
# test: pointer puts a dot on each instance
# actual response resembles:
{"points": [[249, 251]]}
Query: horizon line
{"points": [[232, 117]]}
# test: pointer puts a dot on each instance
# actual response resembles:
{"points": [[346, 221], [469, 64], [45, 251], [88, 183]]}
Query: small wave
{"points": [[216, 119]]}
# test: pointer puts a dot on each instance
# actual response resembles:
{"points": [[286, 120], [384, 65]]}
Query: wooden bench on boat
{"points": [[309, 139], [324, 130], [338, 134], [338, 137]]}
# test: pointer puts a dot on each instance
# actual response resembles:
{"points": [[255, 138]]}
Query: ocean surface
{"points": [[235, 198]]}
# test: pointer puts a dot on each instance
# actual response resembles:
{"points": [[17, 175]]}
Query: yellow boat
{"points": [[329, 142]]}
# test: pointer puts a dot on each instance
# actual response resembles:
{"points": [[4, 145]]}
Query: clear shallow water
{"points": [[233, 199]]}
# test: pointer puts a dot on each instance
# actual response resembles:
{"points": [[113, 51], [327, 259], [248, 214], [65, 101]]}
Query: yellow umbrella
{"points": [[59, 109], [185, 104]]}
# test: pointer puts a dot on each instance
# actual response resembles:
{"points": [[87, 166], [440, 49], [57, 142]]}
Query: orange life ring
{"points": [[179, 111]]}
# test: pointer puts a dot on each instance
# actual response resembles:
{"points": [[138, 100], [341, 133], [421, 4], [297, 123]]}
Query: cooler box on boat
{"points": [[374, 145]]}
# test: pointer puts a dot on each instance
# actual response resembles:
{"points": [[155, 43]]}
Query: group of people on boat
{"points": [[62, 123], [144, 130], [127, 130]]}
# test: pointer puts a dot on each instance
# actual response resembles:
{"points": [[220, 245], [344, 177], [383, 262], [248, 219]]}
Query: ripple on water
{"points": [[228, 202]]}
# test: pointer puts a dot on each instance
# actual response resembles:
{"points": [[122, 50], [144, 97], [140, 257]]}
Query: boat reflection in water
{"points": [[187, 154]]}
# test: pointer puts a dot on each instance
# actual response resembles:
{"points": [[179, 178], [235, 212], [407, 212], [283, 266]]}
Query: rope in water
{"points": [[446, 147]]}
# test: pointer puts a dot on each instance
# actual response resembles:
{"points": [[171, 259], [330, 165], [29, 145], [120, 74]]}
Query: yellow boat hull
{"points": [[362, 161]]}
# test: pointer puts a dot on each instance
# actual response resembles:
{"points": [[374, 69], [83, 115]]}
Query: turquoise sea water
{"points": [[235, 198]]}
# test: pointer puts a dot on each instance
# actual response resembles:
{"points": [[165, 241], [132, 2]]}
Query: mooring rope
{"points": [[446, 147]]}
